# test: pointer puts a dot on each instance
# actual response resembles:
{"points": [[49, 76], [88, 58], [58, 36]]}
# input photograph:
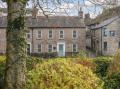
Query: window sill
{"points": [[61, 38], [39, 39]]}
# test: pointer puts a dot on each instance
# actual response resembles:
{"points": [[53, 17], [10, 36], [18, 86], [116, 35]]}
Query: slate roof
{"points": [[50, 22], [106, 22]]}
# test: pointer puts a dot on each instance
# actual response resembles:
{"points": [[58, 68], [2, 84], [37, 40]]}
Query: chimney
{"points": [[80, 12], [34, 12], [87, 16]]}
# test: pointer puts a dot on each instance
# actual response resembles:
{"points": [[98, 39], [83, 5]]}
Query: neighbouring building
{"points": [[105, 36], [60, 34]]}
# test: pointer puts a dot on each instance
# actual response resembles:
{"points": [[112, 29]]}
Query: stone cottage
{"points": [[105, 36], [59, 34]]}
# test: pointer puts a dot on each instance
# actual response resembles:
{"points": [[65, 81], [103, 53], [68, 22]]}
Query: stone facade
{"points": [[105, 37], [44, 41], [2, 41]]}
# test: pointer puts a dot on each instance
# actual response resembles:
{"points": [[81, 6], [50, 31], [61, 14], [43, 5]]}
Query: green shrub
{"points": [[62, 74], [102, 64], [115, 64], [82, 55], [32, 61], [112, 82], [2, 68]]}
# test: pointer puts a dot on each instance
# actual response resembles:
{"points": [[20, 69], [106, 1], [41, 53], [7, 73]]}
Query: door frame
{"points": [[63, 43]]}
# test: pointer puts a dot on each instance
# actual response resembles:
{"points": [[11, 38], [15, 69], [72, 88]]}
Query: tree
{"points": [[16, 45], [15, 52]]}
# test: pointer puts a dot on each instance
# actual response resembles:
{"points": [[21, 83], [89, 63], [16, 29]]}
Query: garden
{"points": [[70, 73]]}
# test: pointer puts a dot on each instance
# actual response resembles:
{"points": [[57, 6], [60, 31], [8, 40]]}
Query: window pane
{"points": [[61, 34], [105, 32], [112, 33], [74, 48], [39, 34], [50, 33], [28, 35], [49, 48], [74, 34], [39, 48], [119, 45], [105, 46]]}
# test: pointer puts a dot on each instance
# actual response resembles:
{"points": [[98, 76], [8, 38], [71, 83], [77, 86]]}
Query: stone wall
{"points": [[34, 41]]}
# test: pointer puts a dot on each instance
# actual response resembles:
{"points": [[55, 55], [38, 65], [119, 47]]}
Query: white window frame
{"points": [[28, 33], [76, 34], [111, 33], [105, 32], [30, 47], [38, 34], [49, 34], [48, 47], [63, 34], [76, 47], [41, 48]]}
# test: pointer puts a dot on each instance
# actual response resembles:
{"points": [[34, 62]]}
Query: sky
{"points": [[66, 7]]}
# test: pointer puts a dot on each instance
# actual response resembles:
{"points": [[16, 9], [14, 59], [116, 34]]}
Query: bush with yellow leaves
{"points": [[62, 74]]}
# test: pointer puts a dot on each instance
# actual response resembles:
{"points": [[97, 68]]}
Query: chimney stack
{"points": [[80, 13], [34, 12], [87, 16]]}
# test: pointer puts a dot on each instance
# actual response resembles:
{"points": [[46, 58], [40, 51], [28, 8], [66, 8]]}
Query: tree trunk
{"points": [[15, 52]]}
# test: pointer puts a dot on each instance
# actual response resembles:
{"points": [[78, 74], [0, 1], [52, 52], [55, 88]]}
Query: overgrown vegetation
{"points": [[2, 69], [70, 73], [102, 64], [62, 74]]}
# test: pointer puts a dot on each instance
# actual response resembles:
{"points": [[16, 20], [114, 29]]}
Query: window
{"points": [[50, 34], [119, 45], [105, 46], [112, 33], [74, 34], [105, 32], [28, 48], [39, 34], [39, 48], [49, 48], [61, 34], [74, 47], [28, 35]]}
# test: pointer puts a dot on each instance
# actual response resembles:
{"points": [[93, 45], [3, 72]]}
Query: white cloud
{"points": [[88, 3]]}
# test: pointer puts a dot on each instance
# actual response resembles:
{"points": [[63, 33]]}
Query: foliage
{"points": [[115, 64], [87, 62], [82, 55], [45, 55], [102, 64], [2, 68], [112, 82], [32, 61], [62, 74]]}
